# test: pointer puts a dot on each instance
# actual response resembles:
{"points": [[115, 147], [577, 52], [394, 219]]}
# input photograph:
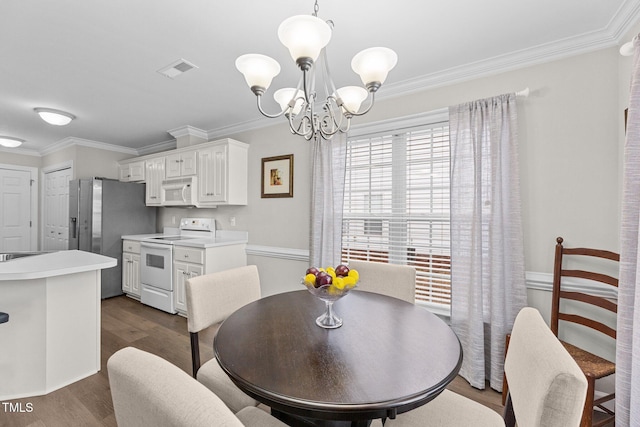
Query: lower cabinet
{"points": [[190, 262], [131, 268], [182, 272]]}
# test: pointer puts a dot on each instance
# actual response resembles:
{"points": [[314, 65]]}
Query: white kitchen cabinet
{"points": [[222, 173], [132, 172], [154, 170], [183, 271], [181, 164], [131, 268], [187, 263], [190, 262]]}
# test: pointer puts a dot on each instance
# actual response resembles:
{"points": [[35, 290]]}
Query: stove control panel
{"points": [[198, 224]]}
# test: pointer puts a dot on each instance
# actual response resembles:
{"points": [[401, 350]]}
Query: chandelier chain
{"points": [[316, 8]]}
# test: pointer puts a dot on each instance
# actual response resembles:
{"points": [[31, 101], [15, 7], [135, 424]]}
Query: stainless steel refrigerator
{"points": [[101, 211]]}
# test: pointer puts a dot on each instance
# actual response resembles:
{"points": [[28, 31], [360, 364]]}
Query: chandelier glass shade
{"points": [[306, 37]]}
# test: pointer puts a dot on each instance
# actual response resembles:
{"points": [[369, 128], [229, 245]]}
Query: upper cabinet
{"points": [[181, 164], [132, 172], [219, 168], [222, 173], [155, 169]]}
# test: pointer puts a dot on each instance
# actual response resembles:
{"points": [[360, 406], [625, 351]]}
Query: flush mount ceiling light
{"points": [[54, 117], [10, 142], [306, 37]]}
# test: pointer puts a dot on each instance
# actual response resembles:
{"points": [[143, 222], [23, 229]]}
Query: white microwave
{"points": [[179, 192]]}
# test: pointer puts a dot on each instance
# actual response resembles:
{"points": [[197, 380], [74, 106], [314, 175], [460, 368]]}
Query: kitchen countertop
{"points": [[223, 238], [53, 264]]}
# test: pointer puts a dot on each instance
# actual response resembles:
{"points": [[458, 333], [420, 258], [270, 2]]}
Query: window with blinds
{"points": [[396, 204]]}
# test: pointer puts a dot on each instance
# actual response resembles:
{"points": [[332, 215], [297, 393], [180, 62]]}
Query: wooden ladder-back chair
{"points": [[594, 367]]}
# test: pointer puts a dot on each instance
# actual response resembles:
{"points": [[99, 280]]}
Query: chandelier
{"points": [[306, 37]]}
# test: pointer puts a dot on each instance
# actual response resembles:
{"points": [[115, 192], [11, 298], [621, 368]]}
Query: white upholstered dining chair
{"points": [[546, 386], [211, 298], [393, 280], [148, 391]]}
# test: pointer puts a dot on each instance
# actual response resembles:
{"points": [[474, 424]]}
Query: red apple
{"points": [[342, 270], [313, 270], [323, 279]]}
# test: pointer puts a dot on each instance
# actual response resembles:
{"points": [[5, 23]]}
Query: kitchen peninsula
{"points": [[53, 336]]}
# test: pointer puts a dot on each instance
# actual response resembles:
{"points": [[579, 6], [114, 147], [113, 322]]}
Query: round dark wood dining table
{"points": [[388, 357]]}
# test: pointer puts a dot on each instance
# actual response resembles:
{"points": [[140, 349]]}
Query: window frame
{"points": [[402, 125]]}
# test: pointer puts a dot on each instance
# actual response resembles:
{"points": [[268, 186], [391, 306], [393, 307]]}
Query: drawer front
{"points": [[130, 246], [188, 255]]}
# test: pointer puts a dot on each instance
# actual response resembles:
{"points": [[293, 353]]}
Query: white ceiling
{"points": [[98, 59]]}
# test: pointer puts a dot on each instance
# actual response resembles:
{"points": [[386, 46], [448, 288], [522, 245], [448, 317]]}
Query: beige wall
{"points": [[8, 158], [88, 162]]}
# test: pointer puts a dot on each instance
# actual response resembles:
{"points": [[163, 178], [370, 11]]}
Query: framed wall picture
{"points": [[277, 176]]}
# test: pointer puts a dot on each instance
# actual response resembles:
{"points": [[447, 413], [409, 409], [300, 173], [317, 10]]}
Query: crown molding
{"points": [[188, 131], [73, 141], [21, 151], [254, 124], [158, 147], [623, 21]]}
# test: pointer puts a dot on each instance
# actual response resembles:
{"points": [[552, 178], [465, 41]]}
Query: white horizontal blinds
{"points": [[397, 204]]}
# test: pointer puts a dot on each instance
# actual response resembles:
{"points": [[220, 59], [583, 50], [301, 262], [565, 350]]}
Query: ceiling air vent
{"points": [[175, 69]]}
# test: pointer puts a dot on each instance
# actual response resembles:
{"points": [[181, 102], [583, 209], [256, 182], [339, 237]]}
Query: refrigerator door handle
{"points": [[74, 227]]}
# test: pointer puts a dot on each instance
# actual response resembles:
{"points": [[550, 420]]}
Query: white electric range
{"points": [[156, 261]]}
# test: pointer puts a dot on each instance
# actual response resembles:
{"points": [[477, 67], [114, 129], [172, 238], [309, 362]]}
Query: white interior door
{"points": [[56, 210], [15, 210]]}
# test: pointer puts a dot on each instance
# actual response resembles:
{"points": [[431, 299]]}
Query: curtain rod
{"points": [[523, 93]]}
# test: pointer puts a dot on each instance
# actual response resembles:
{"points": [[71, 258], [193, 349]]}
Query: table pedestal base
{"points": [[299, 421]]}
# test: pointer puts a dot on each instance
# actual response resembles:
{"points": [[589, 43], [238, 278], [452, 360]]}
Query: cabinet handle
{"points": [[209, 194], [153, 197], [186, 255]]}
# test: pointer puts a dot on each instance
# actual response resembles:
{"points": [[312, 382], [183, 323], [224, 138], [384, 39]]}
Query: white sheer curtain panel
{"points": [[487, 254], [628, 325], [327, 197]]}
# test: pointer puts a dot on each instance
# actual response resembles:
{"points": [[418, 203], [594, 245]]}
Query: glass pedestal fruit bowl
{"points": [[329, 285]]}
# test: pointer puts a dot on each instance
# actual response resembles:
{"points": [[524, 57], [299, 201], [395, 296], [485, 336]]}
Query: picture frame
{"points": [[277, 176]]}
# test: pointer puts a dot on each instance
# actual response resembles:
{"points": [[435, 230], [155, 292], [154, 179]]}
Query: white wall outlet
{"points": [[173, 220], [232, 221]]}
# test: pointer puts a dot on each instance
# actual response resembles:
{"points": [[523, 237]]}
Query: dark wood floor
{"points": [[126, 322]]}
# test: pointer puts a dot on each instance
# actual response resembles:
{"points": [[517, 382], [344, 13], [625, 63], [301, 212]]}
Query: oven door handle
{"points": [[149, 245]]}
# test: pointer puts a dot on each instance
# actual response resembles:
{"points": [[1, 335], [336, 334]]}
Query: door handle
{"points": [[74, 223]]}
